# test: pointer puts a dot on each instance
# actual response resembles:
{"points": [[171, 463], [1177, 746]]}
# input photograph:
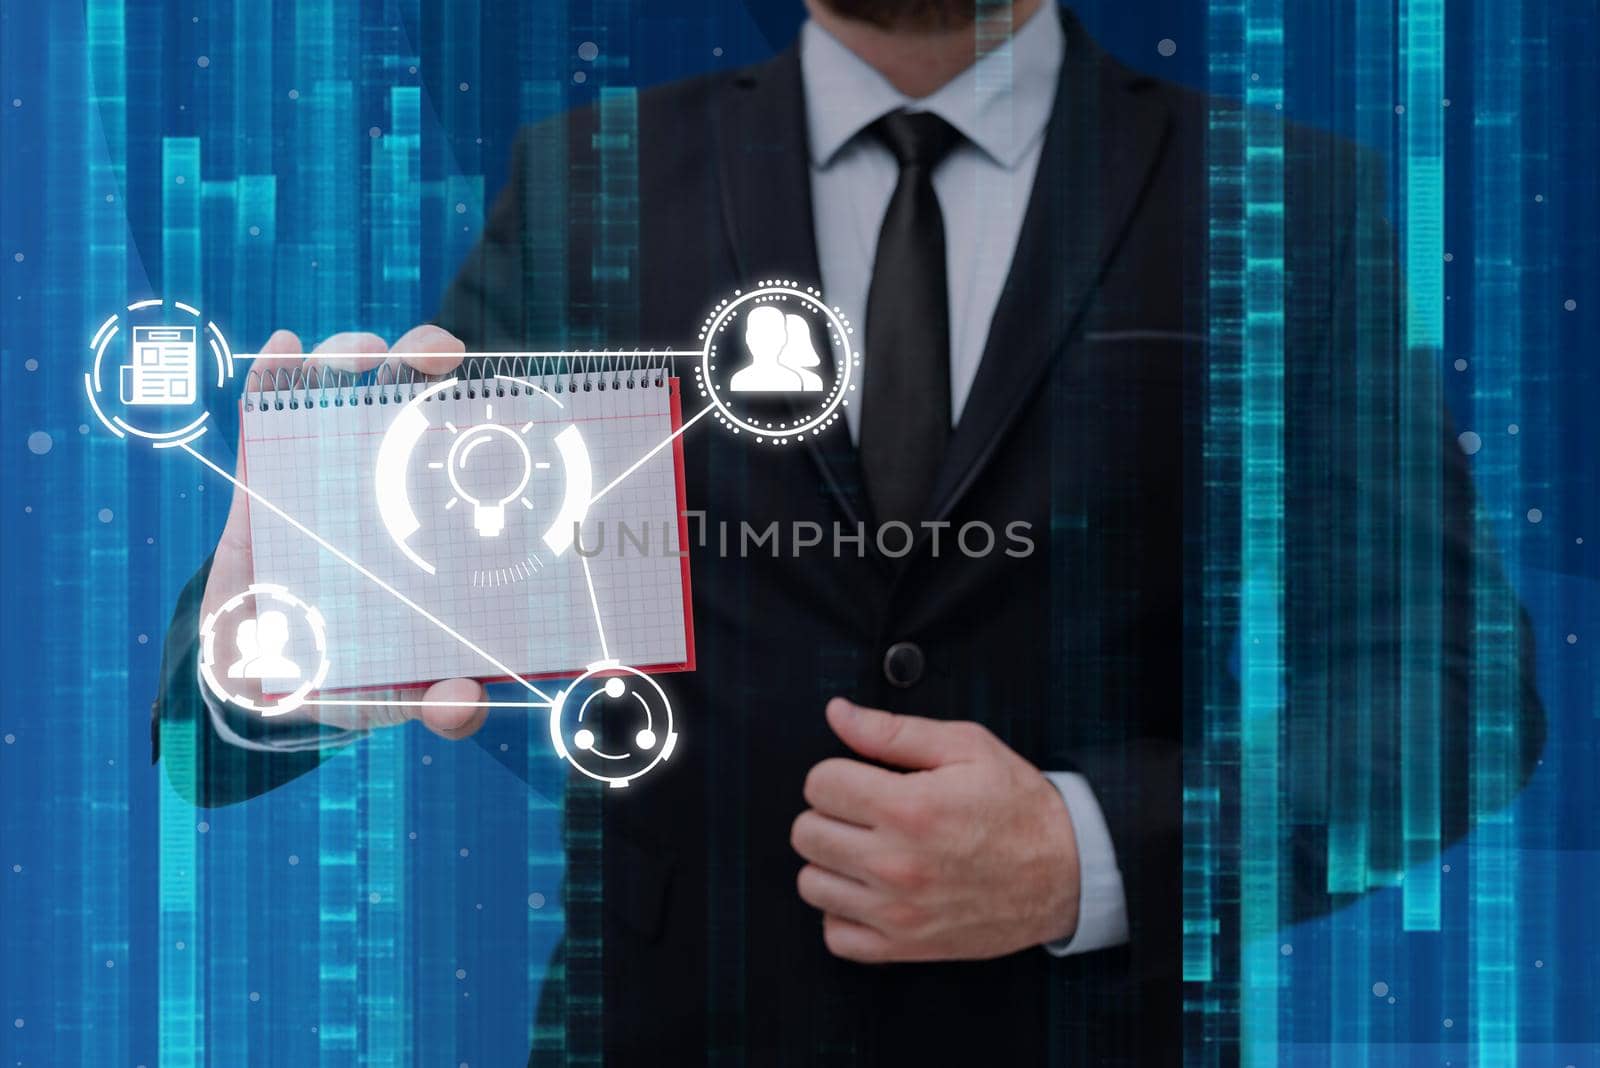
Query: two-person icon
{"points": [[261, 642], [781, 355]]}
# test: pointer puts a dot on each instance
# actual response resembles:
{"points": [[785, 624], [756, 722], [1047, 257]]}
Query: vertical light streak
{"points": [[1421, 567], [95, 1015], [1245, 444], [1495, 702], [183, 953]]}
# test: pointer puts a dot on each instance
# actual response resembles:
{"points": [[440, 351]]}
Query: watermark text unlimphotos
{"points": [[893, 539]]}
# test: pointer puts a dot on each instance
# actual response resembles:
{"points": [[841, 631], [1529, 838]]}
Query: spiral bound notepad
{"points": [[479, 497]]}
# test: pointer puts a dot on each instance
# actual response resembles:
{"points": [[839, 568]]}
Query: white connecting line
{"points": [[373, 702], [605, 652], [408, 602], [544, 698], [641, 461]]}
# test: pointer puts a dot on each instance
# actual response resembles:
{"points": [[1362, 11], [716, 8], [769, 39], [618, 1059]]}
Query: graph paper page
{"points": [[500, 576]]}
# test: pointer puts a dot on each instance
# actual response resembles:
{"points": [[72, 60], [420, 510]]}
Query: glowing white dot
{"points": [[1167, 46], [584, 738], [1449, 1022], [615, 687], [588, 51], [1570, 304], [1449, 257], [1572, 639], [1470, 442], [40, 443], [461, 973], [536, 900], [293, 859], [1380, 988], [1286, 949], [31, 364], [375, 131], [105, 515], [1460, 364], [19, 257], [717, 51], [426, 760], [463, 87], [1535, 515], [646, 738], [463, 851], [1513, 429], [144, 639], [461, 209], [374, 897], [180, 179], [1399, 109], [255, 231], [202, 826], [579, 77], [203, 62], [255, 995], [294, 94], [11, 739]]}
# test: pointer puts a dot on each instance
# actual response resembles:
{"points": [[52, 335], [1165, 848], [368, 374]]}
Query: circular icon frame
{"points": [[310, 681], [216, 343], [777, 432], [662, 741]]}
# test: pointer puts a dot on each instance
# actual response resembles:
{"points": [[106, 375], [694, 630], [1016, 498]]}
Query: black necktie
{"points": [[905, 405]]}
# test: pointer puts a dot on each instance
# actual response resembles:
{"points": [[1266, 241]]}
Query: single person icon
{"points": [[261, 643], [766, 336]]}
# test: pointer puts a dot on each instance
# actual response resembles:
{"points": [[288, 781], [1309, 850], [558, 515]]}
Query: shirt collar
{"points": [[1002, 114]]}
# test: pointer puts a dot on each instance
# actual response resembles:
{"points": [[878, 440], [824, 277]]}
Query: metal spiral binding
{"points": [[313, 385]]}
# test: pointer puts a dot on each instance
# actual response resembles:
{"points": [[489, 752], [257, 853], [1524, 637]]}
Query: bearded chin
{"points": [[907, 14]]}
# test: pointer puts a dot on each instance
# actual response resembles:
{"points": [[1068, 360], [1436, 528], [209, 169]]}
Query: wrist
{"points": [[1062, 870]]}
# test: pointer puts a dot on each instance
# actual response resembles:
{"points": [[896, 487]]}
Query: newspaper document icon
{"points": [[163, 368]]}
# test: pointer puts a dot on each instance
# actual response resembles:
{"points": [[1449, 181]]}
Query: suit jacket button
{"points": [[903, 663]]}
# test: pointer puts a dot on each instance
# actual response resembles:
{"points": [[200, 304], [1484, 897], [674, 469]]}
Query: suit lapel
{"points": [[765, 177], [1102, 143]]}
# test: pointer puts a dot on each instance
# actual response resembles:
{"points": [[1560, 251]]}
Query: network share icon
{"points": [[613, 724]]}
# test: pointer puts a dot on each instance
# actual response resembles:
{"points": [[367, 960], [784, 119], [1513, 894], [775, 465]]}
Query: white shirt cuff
{"points": [[1102, 905]]}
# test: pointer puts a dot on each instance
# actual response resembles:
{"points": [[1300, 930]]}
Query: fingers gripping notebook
{"points": [[518, 516]]}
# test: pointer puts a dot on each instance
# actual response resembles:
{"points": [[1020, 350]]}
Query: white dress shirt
{"points": [[1001, 105]]}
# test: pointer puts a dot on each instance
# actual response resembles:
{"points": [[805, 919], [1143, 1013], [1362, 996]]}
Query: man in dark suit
{"points": [[928, 806]]}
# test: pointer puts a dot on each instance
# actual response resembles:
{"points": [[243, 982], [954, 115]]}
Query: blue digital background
{"points": [[97, 536]]}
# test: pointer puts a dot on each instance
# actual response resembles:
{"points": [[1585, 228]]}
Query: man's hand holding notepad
{"points": [[448, 533]]}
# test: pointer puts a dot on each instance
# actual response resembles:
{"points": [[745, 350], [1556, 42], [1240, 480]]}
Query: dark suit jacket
{"points": [[1101, 415]]}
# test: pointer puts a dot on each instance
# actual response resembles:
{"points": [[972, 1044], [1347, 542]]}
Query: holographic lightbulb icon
{"points": [[483, 487]]}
